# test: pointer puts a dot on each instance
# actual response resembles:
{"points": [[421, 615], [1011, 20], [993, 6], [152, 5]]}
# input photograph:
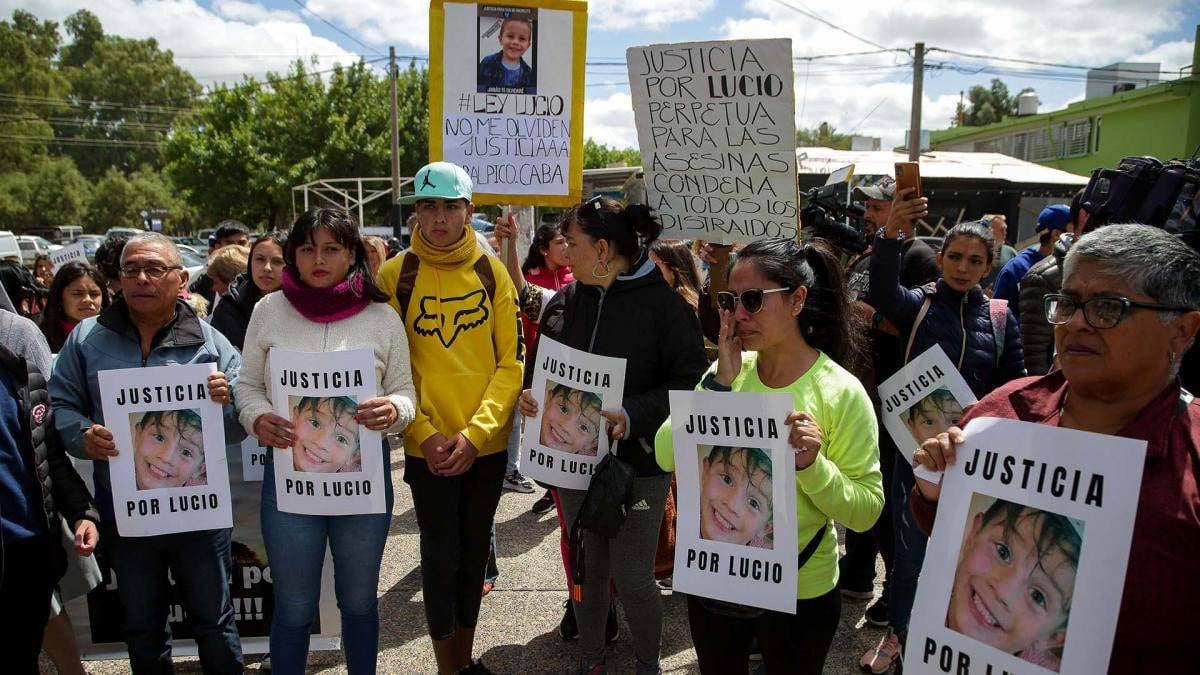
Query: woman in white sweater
{"points": [[328, 302]]}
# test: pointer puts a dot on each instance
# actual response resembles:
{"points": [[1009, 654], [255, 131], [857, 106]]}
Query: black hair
{"points": [[1057, 530], [39, 258], [341, 226], [183, 416], [938, 397], [757, 460], [53, 315], [228, 228], [277, 237], [108, 256], [626, 228], [541, 239], [976, 229], [340, 405], [679, 258], [1077, 206], [827, 322], [587, 399]]}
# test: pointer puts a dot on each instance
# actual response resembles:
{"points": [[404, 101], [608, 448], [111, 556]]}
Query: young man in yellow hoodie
{"points": [[460, 311]]}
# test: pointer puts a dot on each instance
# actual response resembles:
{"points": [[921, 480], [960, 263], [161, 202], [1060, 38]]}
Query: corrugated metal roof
{"points": [[936, 164]]}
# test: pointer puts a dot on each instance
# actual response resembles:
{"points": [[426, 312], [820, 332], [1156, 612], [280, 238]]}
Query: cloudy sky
{"points": [[220, 40]]}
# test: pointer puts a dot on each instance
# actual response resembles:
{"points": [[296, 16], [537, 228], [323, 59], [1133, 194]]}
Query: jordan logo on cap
{"points": [[427, 183]]}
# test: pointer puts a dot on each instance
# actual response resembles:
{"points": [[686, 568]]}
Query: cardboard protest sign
{"points": [[717, 129], [506, 97], [1026, 566], [97, 617], [253, 458], [565, 441], [924, 398], [735, 534], [170, 473], [336, 466], [70, 253]]}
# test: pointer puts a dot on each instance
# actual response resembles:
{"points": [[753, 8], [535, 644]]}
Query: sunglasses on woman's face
{"points": [[751, 298]]}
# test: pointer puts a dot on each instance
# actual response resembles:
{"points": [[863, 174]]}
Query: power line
{"points": [[260, 84], [1008, 59], [327, 23], [816, 17], [71, 140]]}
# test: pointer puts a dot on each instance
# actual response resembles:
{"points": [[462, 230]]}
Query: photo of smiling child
{"points": [[508, 70], [1015, 579], [168, 449], [932, 415], [326, 434], [571, 420], [736, 498]]}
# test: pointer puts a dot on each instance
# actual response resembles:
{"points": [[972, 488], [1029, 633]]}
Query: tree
{"points": [[986, 105], [57, 193], [117, 201], [598, 156], [243, 151], [29, 85], [824, 135]]}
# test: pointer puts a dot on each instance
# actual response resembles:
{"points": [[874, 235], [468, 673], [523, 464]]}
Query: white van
{"points": [[9, 248]]}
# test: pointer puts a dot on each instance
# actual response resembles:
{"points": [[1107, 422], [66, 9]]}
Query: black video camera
{"points": [[1144, 190], [829, 215]]}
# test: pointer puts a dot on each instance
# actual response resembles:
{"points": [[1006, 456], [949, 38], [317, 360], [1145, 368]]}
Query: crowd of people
{"points": [[1101, 314]]}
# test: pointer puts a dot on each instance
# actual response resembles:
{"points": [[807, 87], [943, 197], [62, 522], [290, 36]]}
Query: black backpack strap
{"points": [[487, 277], [406, 282], [811, 548]]}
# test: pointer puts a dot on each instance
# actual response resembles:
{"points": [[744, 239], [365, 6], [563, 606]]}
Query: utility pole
{"points": [[914, 124], [392, 73]]}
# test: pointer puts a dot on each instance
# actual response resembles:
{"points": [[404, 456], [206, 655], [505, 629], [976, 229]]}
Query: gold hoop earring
{"points": [[607, 270]]}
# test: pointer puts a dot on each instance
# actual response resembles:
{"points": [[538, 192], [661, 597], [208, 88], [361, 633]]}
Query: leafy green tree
{"points": [[824, 135], [57, 192], [987, 105], [29, 85], [117, 201], [598, 155]]}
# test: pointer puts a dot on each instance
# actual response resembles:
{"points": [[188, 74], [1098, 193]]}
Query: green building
{"points": [[1161, 120]]}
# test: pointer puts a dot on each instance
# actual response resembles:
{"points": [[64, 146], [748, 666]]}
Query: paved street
{"points": [[518, 625]]}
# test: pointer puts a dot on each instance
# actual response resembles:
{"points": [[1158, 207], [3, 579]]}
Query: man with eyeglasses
{"points": [[149, 325]]}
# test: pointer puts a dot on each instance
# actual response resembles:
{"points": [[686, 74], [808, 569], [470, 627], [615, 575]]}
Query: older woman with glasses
{"points": [[1127, 313]]}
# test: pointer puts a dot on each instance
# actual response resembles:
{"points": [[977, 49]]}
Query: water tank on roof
{"points": [[1027, 103]]}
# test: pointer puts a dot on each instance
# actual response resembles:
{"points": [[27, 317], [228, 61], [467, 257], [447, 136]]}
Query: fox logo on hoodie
{"points": [[447, 317]]}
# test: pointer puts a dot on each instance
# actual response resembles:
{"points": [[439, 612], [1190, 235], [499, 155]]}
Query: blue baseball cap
{"points": [[439, 180], [1053, 217]]}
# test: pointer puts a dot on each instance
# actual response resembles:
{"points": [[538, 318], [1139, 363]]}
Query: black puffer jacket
{"points": [[644, 321], [232, 314], [960, 323], [62, 490], [1037, 335]]}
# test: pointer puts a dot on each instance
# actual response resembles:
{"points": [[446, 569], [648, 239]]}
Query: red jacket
{"points": [[1159, 620], [553, 280]]}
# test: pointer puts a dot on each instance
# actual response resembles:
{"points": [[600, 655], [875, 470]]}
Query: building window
{"points": [[1076, 137]]}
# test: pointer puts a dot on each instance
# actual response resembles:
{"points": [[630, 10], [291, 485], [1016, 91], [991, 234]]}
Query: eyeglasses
{"points": [[1102, 313], [152, 271], [751, 298]]}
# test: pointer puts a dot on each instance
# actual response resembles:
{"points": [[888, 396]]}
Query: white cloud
{"points": [[380, 22], [1172, 56], [618, 14], [610, 120], [223, 38]]}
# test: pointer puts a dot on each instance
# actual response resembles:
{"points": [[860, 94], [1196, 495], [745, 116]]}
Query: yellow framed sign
{"points": [[506, 97]]}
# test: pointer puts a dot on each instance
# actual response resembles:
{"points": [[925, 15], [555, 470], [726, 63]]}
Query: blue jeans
{"points": [[296, 552], [514, 443], [199, 563], [910, 544]]}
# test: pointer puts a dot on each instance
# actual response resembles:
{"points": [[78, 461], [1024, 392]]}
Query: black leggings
{"points": [[793, 644], [455, 518]]}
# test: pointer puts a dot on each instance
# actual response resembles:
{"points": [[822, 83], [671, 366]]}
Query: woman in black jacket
{"points": [[232, 313], [620, 306]]}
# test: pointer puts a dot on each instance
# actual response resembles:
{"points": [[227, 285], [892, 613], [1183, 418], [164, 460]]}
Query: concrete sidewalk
{"points": [[518, 627]]}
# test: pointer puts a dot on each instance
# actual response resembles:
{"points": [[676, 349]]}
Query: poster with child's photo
{"points": [[1025, 569], [336, 465], [507, 56], [735, 538], [567, 438], [170, 473], [923, 399]]}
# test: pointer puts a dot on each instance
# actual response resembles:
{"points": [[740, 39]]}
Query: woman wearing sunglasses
{"points": [[1126, 315], [982, 339], [621, 306], [786, 327]]}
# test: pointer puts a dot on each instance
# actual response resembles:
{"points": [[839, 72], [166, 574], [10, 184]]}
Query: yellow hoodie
{"points": [[466, 349]]}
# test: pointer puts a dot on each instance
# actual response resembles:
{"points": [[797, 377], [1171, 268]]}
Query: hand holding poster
{"points": [[506, 97], [1026, 566], [717, 129], [735, 538], [170, 473], [923, 399], [336, 465], [567, 438]]}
